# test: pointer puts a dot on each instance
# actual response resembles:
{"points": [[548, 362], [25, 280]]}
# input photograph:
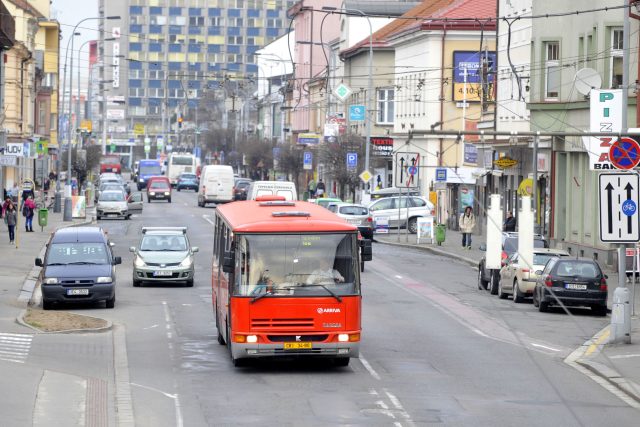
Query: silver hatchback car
{"points": [[163, 255]]}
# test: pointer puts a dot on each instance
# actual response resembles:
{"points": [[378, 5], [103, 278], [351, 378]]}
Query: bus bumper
{"points": [[331, 349]]}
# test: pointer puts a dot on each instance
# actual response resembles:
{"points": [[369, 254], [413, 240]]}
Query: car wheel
{"points": [[341, 361], [543, 306], [148, 199], [190, 283], [110, 303], [362, 266], [137, 283], [482, 284], [517, 296], [177, 188], [494, 282], [413, 225], [169, 199], [535, 298], [599, 310], [98, 217], [47, 304], [501, 293]]}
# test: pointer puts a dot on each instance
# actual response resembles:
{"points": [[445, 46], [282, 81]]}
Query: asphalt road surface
{"points": [[435, 350]]}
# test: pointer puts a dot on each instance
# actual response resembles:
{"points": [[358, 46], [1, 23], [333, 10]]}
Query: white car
{"points": [[112, 203], [518, 279], [402, 211]]}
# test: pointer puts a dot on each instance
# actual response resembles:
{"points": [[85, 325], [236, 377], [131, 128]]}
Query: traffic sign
{"points": [[159, 142], [407, 170], [342, 92], [625, 153], [365, 176], [619, 218], [356, 113], [441, 175], [307, 160], [352, 160]]}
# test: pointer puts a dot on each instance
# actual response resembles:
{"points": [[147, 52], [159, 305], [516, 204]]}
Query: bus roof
{"points": [[258, 217]]}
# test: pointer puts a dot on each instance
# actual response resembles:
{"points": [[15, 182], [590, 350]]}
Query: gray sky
{"points": [[69, 13]]}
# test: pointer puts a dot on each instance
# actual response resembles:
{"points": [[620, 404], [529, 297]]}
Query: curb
{"points": [[608, 377], [20, 320], [469, 261], [31, 283]]}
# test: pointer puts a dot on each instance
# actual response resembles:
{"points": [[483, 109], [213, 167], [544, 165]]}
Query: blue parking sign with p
{"points": [[352, 160]]}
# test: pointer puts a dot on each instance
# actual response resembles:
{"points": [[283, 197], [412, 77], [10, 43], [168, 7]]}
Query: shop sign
{"points": [[505, 162], [381, 146]]}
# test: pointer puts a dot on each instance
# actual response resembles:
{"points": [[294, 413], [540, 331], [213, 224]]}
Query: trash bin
{"points": [[43, 217], [305, 196], [441, 232]]}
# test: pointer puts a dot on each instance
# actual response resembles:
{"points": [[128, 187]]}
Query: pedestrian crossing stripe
{"points": [[15, 347]]}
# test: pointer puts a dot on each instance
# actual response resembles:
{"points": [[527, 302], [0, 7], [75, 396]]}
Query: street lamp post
{"points": [[370, 80], [67, 216]]}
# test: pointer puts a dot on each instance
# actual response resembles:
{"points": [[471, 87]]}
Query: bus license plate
{"points": [[297, 345], [77, 291], [575, 286], [162, 273]]}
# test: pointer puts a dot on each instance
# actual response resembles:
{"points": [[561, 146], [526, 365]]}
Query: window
{"points": [[155, 109], [53, 121], [216, 21], [156, 74], [42, 117], [234, 40], [615, 66], [176, 93], [158, 20], [138, 111], [235, 22], [136, 19], [274, 23], [552, 70], [136, 91], [136, 74], [196, 21], [177, 20], [385, 106], [156, 93]]}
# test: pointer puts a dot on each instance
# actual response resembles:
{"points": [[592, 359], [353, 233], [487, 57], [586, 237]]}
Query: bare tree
{"points": [[333, 155]]}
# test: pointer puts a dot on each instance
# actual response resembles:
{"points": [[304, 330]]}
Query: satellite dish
{"points": [[587, 79]]}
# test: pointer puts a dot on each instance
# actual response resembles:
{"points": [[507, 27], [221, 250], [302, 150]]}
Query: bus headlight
{"points": [[252, 339], [343, 337]]}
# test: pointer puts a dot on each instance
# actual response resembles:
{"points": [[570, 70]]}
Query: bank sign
{"points": [[605, 116]]}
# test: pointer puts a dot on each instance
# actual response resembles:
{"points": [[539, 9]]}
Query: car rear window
{"points": [[511, 244], [354, 210], [541, 259], [577, 268], [158, 184]]}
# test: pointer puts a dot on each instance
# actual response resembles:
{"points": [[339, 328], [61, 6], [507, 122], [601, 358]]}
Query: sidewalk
{"points": [[616, 363], [17, 264]]}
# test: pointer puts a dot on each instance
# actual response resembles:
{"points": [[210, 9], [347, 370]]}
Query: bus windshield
{"points": [[297, 264], [150, 169]]}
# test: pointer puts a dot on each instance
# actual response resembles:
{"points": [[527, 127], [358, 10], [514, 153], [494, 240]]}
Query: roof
{"points": [[424, 9], [79, 234], [250, 217], [24, 4]]}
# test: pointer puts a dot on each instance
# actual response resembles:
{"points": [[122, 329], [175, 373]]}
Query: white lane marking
{"points": [[176, 397], [624, 356], [146, 387], [368, 367], [15, 347], [396, 403], [206, 218], [150, 327], [398, 276], [544, 346]]}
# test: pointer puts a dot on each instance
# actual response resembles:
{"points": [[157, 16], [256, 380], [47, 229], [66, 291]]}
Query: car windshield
{"points": [[577, 268], [158, 184], [167, 243], [541, 259], [325, 203], [76, 253], [112, 196], [298, 264], [354, 210], [150, 170], [242, 184], [188, 177]]}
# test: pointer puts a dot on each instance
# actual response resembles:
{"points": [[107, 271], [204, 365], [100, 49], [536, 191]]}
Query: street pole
{"points": [[369, 95], [536, 141]]}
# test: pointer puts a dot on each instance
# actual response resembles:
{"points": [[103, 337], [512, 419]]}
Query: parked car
{"points": [[112, 203], [240, 188], [402, 210], [571, 282], [393, 191], [518, 279], [187, 181], [324, 201], [163, 255], [355, 214], [158, 188], [109, 186], [78, 266]]}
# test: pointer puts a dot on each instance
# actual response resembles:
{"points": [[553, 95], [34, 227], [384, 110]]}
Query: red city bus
{"points": [[286, 281]]}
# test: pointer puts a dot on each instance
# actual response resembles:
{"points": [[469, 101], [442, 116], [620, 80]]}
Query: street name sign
{"points": [[619, 218]]}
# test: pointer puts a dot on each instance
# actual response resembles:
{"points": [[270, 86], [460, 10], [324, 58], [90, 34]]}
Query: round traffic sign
{"points": [[413, 170], [629, 207], [625, 153]]}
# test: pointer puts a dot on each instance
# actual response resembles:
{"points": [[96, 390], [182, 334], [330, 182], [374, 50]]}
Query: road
{"points": [[435, 350]]}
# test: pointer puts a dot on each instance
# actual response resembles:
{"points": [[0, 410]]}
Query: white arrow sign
{"points": [[619, 220]]}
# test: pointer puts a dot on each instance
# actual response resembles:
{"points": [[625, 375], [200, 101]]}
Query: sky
{"points": [[69, 13]]}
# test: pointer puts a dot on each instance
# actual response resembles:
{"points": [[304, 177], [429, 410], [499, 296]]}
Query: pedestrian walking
{"points": [[510, 222], [11, 219], [467, 224], [28, 211], [320, 188]]}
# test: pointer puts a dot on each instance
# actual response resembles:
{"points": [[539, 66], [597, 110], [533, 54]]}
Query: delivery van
{"points": [[216, 185], [285, 189]]}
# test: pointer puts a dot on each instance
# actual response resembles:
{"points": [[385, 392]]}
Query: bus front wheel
{"points": [[341, 361]]}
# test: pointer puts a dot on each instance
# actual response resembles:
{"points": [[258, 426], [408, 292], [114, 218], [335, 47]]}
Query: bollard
{"points": [[620, 317], [57, 202]]}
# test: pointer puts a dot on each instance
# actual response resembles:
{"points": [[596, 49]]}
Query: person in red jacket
{"points": [[28, 210]]}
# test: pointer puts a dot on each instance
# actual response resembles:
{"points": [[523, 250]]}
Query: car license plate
{"points": [[162, 273], [77, 291], [297, 345], [575, 286], [354, 221]]}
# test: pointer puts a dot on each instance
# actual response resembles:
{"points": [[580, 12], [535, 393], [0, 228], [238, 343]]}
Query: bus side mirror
{"points": [[229, 262], [366, 249]]}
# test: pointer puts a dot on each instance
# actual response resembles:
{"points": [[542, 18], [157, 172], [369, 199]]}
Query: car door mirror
{"points": [[38, 262], [195, 249], [538, 272], [132, 249], [229, 262], [117, 260]]}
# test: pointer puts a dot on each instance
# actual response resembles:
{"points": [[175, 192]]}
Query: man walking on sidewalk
{"points": [[467, 224]]}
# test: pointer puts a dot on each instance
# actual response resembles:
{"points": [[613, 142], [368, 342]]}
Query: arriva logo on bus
{"points": [[328, 310]]}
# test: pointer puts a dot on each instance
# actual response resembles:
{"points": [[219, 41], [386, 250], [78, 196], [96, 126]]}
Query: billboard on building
{"points": [[475, 65]]}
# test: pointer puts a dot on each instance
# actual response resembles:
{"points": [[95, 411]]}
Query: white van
{"points": [[216, 185], [286, 189]]}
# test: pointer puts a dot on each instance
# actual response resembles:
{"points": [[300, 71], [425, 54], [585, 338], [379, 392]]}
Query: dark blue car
{"points": [[187, 181], [78, 267]]}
